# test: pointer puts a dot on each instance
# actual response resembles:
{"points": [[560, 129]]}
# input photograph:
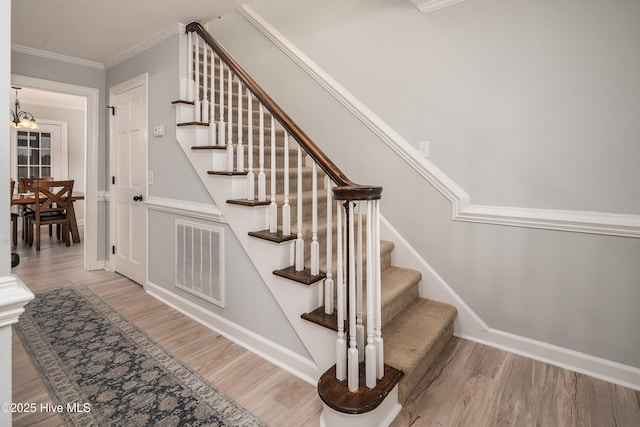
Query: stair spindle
{"points": [[315, 245], [197, 102], [250, 174], [213, 129], [222, 124], [359, 261], [262, 190], [240, 148], [205, 81], [299, 241], [352, 355], [273, 207], [190, 79], [328, 282], [230, 120], [341, 343], [375, 235], [370, 350], [286, 209]]}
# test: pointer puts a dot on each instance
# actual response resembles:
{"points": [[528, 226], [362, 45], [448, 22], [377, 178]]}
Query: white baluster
{"points": [[205, 81], [299, 240], [197, 103], [341, 344], [213, 129], [370, 351], [191, 83], [286, 208], [352, 354], [262, 181], [359, 261], [328, 283], [273, 207], [375, 235], [222, 125], [230, 120], [315, 246], [240, 149], [250, 175]]}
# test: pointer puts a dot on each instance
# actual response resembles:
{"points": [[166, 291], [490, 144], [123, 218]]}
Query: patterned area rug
{"points": [[104, 371]]}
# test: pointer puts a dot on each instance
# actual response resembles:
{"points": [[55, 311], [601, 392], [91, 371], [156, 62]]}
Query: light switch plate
{"points": [[158, 130]]}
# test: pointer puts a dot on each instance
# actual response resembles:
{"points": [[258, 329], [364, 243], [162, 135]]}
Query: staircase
{"points": [[287, 208]]}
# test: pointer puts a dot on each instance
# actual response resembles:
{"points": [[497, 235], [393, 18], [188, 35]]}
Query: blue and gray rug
{"points": [[106, 372]]}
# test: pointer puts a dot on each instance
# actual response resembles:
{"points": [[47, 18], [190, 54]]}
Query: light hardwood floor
{"points": [[472, 385]]}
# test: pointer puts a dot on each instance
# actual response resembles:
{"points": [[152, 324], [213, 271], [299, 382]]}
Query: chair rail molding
{"points": [[433, 5], [607, 223], [208, 212]]}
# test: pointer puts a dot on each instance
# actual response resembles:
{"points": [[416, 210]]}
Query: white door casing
{"points": [[128, 143]]}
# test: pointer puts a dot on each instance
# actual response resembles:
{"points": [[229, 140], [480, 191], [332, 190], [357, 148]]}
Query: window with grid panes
{"points": [[34, 154]]}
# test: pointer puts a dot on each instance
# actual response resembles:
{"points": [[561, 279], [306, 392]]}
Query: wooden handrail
{"points": [[345, 189]]}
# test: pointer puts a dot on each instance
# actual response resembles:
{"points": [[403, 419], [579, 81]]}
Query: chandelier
{"points": [[21, 119]]}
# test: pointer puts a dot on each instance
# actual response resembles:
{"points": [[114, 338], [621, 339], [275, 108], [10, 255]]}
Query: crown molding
{"points": [[614, 224], [433, 5], [56, 56], [163, 35]]}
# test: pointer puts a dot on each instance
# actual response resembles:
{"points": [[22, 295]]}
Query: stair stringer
{"points": [[293, 298]]}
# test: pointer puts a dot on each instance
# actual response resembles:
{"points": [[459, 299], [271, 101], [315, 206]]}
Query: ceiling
{"points": [[99, 31]]}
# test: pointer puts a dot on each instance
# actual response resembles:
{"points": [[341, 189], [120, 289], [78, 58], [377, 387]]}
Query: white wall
{"points": [[479, 80]]}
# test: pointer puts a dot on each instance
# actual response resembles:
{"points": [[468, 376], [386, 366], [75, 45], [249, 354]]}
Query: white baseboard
{"points": [[291, 362], [469, 325]]}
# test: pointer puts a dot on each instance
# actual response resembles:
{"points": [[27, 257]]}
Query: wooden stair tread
{"points": [[209, 147], [193, 124], [337, 396], [305, 277], [247, 202], [276, 237], [227, 173]]}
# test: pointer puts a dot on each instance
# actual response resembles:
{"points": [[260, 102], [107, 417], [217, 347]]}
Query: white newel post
{"points": [[14, 295]]}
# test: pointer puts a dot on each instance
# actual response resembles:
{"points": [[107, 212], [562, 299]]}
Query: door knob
{"points": [[137, 198]]}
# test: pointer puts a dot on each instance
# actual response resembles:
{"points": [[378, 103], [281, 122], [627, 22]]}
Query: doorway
{"points": [[90, 166]]}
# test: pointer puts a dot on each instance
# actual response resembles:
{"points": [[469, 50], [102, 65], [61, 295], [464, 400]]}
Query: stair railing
{"points": [[354, 207]]}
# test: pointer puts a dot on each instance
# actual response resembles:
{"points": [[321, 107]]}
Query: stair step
{"points": [[414, 339], [305, 277], [276, 237], [399, 289], [337, 396]]}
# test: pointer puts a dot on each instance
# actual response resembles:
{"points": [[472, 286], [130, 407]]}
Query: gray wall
{"points": [[526, 104], [248, 301]]}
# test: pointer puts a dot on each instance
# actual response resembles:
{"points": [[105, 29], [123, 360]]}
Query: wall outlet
{"points": [[423, 148]]}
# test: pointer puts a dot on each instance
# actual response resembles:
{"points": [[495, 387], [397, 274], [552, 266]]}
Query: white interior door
{"points": [[129, 166]]}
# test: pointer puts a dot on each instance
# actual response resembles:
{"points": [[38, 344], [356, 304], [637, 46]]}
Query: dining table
{"points": [[24, 199]]}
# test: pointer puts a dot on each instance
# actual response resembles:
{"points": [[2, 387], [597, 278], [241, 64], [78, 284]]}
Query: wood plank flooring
{"points": [[471, 385]]}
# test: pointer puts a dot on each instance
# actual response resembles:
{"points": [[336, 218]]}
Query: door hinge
{"points": [[113, 250], [113, 110], [113, 180]]}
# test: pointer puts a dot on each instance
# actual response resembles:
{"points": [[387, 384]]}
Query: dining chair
{"points": [[52, 202], [27, 185], [14, 216]]}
